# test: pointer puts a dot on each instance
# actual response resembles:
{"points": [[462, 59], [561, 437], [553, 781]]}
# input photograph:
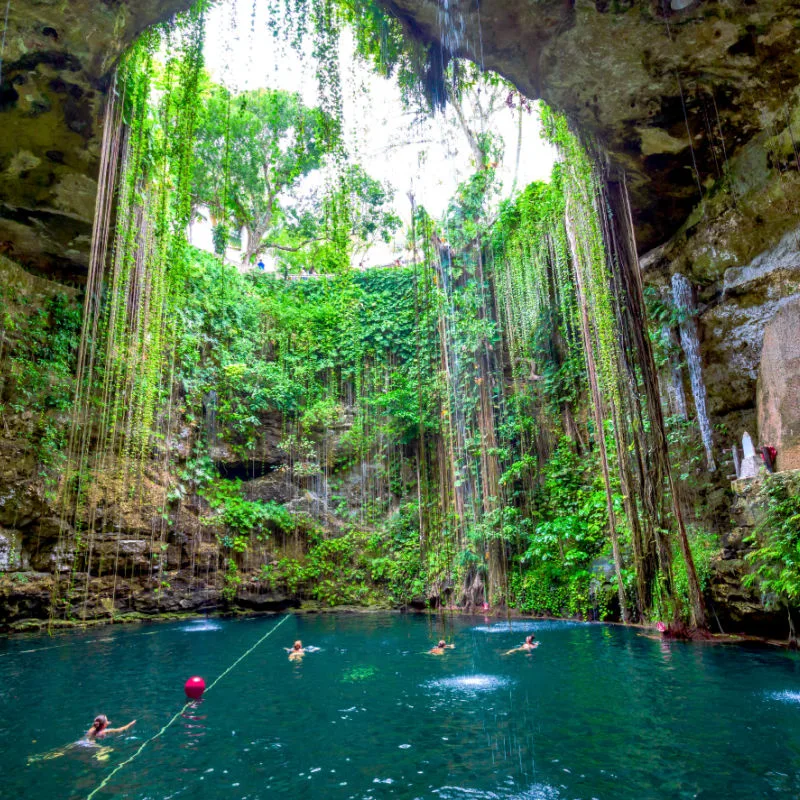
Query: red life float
{"points": [[195, 687]]}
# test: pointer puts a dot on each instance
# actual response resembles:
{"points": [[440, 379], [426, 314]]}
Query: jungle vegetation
{"points": [[484, 423]]}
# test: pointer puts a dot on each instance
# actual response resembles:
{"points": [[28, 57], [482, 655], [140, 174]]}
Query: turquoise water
{"points": [[595, 712]]}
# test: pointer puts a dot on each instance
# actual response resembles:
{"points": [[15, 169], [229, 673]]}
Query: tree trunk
{"points": [[650, 379]]}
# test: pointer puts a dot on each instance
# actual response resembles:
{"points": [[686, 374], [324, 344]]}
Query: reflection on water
{"points": [[194, 724], [598, 712], [786, 697], [538, 791], [528, 626], [84, 748], [470, 683], [198, 625]]}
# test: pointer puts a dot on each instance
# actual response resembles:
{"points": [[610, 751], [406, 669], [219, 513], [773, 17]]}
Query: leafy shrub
{"points": [[776, 542]]}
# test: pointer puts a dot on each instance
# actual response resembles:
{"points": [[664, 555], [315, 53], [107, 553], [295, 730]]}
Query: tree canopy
{"points": [[252, 150], [252, 153]]}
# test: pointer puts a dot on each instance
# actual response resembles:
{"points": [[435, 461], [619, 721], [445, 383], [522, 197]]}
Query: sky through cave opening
{"points": [[409, 149]]}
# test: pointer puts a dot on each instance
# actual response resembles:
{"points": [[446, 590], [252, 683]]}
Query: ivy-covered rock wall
{"points": [[274, 484], [693, 110]]}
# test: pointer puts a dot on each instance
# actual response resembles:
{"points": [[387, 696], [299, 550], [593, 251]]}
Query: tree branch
{"points": [[286, 248]]}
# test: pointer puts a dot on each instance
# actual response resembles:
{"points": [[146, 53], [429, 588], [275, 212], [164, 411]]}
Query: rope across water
{"points": [[163, 730]]}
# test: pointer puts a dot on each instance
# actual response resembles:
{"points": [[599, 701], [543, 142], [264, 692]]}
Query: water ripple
{"points": [[538, 791], [528, 626], [201, 625], [785, 696], [469, 683]]}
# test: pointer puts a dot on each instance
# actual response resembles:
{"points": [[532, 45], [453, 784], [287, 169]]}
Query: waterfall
{"points": [[682, 297], [676, 396], [210, 411], [452, 25], [451, 362]]}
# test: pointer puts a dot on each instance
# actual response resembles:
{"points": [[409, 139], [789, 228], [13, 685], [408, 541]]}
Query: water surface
{"points": [[594, 712]]}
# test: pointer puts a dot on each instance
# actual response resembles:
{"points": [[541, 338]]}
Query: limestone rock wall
{"points": [[698, 107], [738, 608], [779, 386], [133, 563], [740, 250], [56, 69], [669, 95]]}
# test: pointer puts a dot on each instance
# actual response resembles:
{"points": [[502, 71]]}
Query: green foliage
{"points": [[776, 542], [467, 216], [266, 345], [231, 582], [568, 536], [333, 571], [39, 338], [245, 518], [396, 559], [43, 357], [358, 567], [252, 149], [704, 546]]}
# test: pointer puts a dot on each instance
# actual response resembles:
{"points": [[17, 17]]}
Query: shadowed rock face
{"points": [[779, 386], [55, 71], [669, 95]]}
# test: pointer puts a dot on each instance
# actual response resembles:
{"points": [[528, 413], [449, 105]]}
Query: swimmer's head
{"points": [[100, 722], [529, 639], [442, 643], [298, 645]]}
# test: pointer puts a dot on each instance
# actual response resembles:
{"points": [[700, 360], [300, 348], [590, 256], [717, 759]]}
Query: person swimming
{"points": [[88, 744], [100, 729], [439, 649], [526, 647], [296, 651]]}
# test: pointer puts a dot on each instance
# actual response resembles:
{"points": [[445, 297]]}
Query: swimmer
{"points": [[88, 744], [296, 652], [526, 647], [441, 647], [100, 729]]}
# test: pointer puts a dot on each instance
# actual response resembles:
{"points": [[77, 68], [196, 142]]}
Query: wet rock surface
{"points": [[779, 386], [737, 607]]}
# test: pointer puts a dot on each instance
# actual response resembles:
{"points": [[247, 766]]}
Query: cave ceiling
{"points": [[669, 94]]}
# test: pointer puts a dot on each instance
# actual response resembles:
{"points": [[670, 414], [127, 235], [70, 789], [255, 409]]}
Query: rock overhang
{"points": [[669, 96]]}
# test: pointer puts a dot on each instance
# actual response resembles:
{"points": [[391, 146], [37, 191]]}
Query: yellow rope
{"points": [[128, 760]]}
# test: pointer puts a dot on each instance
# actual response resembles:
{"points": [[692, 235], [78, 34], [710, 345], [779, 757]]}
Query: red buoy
{"points": [[195, 687]]}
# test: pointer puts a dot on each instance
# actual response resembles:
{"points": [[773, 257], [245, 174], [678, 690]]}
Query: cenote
{"points": [[595, 712], [361, 318]]}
